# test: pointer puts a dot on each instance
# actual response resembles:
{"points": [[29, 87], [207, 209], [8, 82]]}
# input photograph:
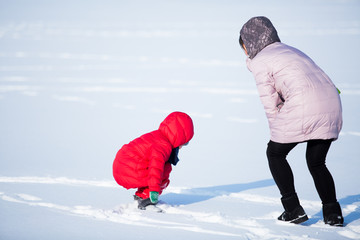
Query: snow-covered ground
{"points": [[78, 79]]}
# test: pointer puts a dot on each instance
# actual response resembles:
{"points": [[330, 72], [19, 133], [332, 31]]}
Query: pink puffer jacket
{"points": [[311, 107]]}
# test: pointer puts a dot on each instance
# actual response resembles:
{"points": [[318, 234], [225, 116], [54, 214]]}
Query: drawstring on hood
{"points": [[257, 33]]}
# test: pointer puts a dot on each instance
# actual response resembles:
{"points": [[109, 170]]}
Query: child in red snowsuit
{"points": [[145, 162]]}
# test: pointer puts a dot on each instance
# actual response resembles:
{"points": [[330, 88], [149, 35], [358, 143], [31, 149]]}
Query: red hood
{"points": [[178, 128]]}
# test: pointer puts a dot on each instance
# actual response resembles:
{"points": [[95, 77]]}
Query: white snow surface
{"points": [[78, 79]]}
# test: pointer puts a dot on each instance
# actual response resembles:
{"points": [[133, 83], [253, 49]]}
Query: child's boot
{"points": [[332, 214], [143, 203]]}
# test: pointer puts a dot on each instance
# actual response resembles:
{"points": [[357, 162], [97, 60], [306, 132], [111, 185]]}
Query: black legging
{"points": [[316, 152]]}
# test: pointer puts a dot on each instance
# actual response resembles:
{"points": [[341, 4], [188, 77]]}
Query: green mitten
{"points": [[154, 197]]}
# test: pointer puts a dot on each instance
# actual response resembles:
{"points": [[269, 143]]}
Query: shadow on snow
{"points": [[195, 195], [351, 217]]}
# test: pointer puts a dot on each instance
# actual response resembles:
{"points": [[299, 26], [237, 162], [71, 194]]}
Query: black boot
{"points": [[143, 203], [294, 213], [332, 214]]}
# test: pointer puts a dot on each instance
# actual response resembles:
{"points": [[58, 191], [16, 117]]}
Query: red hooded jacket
{"points": [[144, 161]]}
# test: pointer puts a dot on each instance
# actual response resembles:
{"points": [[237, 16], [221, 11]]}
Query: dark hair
{"points": [[241, 42]]}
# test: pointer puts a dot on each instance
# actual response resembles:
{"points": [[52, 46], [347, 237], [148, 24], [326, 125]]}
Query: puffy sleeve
{"points": [[266, 87], [157, 159]]}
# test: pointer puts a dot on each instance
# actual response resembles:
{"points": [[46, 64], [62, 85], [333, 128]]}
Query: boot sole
{"points": [[300, 219], [335, 224]]}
